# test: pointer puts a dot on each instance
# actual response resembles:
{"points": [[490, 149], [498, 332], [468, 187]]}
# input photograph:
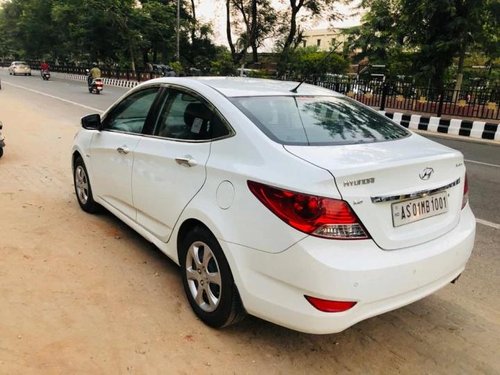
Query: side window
{"points": [[185, 117], [130, 114]]}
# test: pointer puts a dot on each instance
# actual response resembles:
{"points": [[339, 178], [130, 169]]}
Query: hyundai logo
{"points": [[426, 173]]}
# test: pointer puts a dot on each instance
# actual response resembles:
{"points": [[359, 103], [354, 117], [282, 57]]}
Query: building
{"points": [[324, 39]]}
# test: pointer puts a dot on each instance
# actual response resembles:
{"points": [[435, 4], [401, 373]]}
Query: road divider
{"points": [[458, 127], [107, 81]]}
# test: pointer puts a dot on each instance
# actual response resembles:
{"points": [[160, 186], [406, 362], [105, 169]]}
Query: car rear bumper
{"points": [[272, 286]]}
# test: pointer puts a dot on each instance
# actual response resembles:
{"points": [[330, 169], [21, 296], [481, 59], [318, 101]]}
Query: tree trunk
{"points": [[291, 34], [228, 29], [460, 72], [253, 32], [132, 58], [193, 26]]}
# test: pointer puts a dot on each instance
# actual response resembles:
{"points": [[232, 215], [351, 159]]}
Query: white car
{"points": [[294, 204], [19, 67]]}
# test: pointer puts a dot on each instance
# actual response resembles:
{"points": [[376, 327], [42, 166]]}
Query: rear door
{"points": [[169, 167]]}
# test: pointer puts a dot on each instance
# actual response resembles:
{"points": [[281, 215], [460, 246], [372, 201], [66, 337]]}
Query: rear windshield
{"points": [[317, 120]]}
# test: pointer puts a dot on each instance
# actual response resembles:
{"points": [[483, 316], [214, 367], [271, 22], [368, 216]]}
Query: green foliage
{"points": [[177, 67], [309, 61], [223, 64], [425, 36], [122, 32], [288, 29]]}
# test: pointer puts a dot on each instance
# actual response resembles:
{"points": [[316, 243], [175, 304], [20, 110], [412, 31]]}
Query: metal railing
{"points": [[474, 101], [471, 101]]}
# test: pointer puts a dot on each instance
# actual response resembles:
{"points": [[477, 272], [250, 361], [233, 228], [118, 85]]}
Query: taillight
{"points": [[465, 198], [330, 306], [311, 214]]}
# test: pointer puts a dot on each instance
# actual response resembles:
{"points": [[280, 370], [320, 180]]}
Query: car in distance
{"points": [[291, 203], [19, 67]]}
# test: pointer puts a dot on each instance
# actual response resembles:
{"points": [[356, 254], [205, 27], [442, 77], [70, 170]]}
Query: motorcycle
{"points": [[96, 86], [45, 75], [2, 140]]}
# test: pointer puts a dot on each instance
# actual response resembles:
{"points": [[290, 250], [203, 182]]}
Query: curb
{"points": [[457, 127]]}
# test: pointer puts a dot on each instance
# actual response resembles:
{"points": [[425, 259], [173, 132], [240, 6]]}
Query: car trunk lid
{"points": [[405, 192]]}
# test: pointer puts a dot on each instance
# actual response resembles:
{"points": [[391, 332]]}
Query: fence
{"points": [[473, 101], [480, 102]]}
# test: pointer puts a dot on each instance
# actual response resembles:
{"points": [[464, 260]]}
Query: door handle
{"points": [[187, 161], [123, 150]]}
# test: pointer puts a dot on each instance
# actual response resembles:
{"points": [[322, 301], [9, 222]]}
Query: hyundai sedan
{"points": [[288, 202]]}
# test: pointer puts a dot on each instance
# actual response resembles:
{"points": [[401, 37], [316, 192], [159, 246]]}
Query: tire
{"points": [[207, 280], [83, 190], [1, 152]]}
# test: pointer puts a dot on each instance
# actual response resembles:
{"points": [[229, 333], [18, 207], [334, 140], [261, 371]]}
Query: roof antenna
{"points": [[294, 90]]}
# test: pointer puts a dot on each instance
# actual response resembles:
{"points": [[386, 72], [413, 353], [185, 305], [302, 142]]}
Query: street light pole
{"points": [[177, 54]]}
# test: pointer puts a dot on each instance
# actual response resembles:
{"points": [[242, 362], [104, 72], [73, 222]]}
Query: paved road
{"points": [[85, 294]]}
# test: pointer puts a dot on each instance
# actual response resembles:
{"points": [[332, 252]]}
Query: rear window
{"points": [[317, 120]]}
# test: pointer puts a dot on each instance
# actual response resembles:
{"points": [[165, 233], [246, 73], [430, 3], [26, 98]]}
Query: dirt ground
{"points": [[83, 294]]}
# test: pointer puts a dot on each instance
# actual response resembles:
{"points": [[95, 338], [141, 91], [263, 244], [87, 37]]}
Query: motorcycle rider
{"points": [[95, 72], [44, 66]]}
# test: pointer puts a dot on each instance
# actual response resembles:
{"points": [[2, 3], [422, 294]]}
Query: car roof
{"points": [[243, 86]]}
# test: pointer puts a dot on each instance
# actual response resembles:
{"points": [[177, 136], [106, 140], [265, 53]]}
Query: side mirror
{"points": [[92, 122]]}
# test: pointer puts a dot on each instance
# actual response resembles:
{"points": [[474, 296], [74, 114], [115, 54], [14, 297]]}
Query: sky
{"points": [[214, 11]]}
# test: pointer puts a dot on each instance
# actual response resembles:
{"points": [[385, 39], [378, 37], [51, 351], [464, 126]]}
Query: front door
{"points": [[112, 150]]}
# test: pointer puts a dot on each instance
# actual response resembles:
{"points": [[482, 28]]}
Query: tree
{"points": [[112, 32], [290, 30], [258, 18], [431, 33], [442, 29], [309, 61]]}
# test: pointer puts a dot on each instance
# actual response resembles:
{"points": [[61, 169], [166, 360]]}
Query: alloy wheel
{"points": [[81, 184], [203, 276]]}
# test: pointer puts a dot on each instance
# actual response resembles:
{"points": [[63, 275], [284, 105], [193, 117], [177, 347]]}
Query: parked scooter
{"points": [[2, 140], [45, 75]]}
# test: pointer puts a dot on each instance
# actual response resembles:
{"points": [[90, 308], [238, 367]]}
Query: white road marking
{"points": [[54, 97], [488, 223], [481, 163]]}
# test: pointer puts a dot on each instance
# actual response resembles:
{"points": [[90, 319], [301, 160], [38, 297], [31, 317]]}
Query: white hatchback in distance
{"points": [[294, 204], [19, 67]]}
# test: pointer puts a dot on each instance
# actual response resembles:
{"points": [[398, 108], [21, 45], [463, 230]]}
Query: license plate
{"points": [[420, 208]]}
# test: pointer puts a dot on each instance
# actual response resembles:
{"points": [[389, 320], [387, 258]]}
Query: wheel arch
{"points": [[185, 228], [76, 154]]}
